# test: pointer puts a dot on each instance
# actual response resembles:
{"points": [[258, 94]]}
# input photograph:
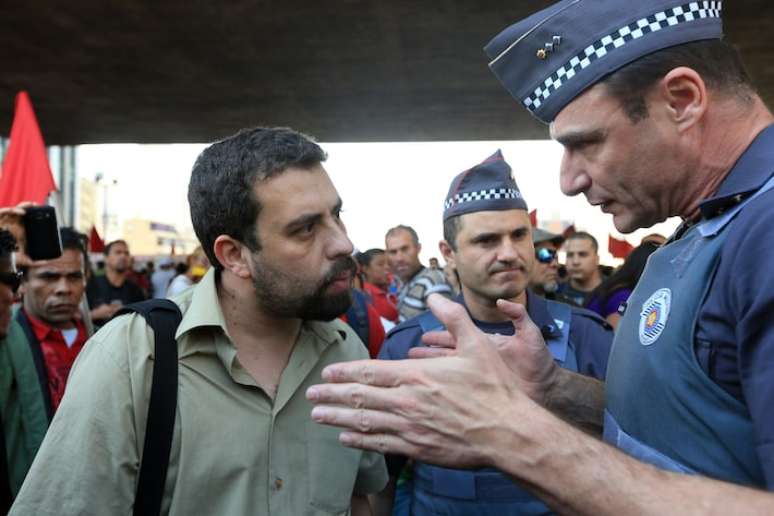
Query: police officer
{"points": [[658, 118], [487, 237]]}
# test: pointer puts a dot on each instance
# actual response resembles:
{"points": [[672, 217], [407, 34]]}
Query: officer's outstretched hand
{"points": [[448, 410], [525, 351]]}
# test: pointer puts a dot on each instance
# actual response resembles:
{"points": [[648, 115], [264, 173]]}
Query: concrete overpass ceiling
{"points": [[350, 70]]}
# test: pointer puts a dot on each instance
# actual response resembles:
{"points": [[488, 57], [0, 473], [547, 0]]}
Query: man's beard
{"points": [[284, 295], [550, 286]]}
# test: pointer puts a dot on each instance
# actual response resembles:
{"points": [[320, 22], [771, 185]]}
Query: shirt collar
{"points": [[751, 171], [42, 329], [204, 309]]}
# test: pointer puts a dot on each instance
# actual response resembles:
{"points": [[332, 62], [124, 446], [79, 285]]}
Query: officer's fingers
{"points": [[457, 321], [355, 395], [429, 352], [359, 420], [439, 339], [381, 443], [514, 311], [525, 327], [386, 373]]}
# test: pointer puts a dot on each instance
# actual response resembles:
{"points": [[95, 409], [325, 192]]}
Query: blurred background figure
{"points": [[434, 264], [361, 315], [197, 265], [654, 238], [544, 279], [109, 292], [608, 297], [162, 277], [452, 278], [582, 264], [402, 246], [376, 273]]}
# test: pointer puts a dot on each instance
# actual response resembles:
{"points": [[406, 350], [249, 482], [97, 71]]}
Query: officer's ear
{"points": [[233, 255], [685, 96], [447, 252]]}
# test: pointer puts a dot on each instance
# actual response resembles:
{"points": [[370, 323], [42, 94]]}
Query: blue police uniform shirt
{"points": [[735, 332], [590, 335]]}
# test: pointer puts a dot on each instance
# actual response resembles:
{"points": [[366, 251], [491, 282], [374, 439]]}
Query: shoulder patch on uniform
{"points": [[654, 316]]}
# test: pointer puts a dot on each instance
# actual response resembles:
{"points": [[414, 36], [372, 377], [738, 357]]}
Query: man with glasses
{"points": [[545, 274], [487, 238]]}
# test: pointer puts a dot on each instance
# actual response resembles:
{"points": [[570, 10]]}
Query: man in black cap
{"points": [[487, 239], [658, 118]]}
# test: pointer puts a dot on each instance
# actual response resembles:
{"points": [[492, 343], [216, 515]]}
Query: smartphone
{"points": [[42, 233]]}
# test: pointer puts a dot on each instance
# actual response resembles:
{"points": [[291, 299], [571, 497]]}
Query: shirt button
{"points": [[278, 484]]}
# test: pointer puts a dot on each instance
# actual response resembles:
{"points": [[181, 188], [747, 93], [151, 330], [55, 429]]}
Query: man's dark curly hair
{"points": [[221, 192]]}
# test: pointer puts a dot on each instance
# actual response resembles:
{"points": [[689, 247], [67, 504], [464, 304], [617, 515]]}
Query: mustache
{"points": [[344, 264], [506, 266]]}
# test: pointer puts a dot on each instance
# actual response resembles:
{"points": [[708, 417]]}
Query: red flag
{"points": [[96, 244], [569, 231], [533, 218], [26, 173], [618, 248]]}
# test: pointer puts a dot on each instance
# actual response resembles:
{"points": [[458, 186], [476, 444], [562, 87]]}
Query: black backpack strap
{"points": [[164, 317]]}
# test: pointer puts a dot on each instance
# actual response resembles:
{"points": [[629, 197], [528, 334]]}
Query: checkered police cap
{"points": [[486, 187], [548, 59]]}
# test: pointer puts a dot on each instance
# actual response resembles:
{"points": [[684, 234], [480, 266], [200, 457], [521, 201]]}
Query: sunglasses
{"points": [[12, 279], [545, 255]]}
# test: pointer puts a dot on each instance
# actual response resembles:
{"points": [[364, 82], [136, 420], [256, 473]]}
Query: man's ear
{"points": [[447, 252], [233, 255], [685, 95]]}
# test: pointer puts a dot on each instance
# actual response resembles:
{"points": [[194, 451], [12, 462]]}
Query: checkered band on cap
{"points": [[482, 195], [605, 46]]}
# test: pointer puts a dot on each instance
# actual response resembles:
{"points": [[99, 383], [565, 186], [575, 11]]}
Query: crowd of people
{"points": [[477, 384]]}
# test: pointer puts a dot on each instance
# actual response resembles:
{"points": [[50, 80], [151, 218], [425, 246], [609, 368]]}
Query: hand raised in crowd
{"points": [[12, 219], [446, 410]]}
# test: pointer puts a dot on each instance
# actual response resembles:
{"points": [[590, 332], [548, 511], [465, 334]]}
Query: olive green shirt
{"points": [[234, 451]]}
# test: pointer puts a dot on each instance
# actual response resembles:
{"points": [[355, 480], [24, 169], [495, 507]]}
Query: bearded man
{"points": [[256, 331]]}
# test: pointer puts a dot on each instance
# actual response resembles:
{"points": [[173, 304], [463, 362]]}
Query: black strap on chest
{"points": [[164, 317], [40, 362]]}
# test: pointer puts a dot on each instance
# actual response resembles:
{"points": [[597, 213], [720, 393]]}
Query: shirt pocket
{"points": [[332, 470]]}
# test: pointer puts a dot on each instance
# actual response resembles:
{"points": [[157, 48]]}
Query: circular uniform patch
{"points": [[654, 315]]}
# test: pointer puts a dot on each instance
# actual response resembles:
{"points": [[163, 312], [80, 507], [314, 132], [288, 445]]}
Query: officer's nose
{"points": [[573, 178]]}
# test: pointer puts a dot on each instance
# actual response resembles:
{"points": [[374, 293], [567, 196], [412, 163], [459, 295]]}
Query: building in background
{"points": [[88, 216], [148, 238]]}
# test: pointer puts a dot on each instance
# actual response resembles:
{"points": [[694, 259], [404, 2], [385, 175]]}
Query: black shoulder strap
{"points": [[38, 360], [164, 317]]}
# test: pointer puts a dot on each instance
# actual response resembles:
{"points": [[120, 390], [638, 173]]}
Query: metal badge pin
{"points": [[549, 47]]}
